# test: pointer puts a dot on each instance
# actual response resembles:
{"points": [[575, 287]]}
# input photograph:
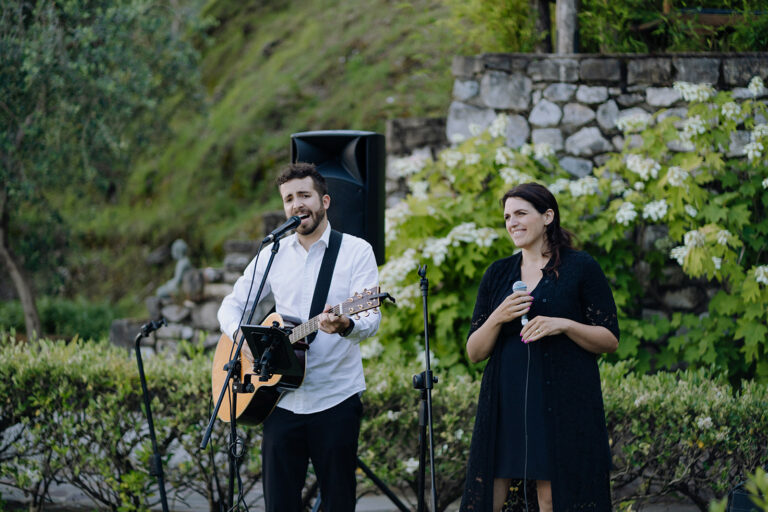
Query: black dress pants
{"points": [[327, 438]]}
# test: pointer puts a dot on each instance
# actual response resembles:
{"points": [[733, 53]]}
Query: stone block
{"points": [[554, 70], [404, 136], [545, 113], [505, 62], [236, 262], [607, 113], [464, 90], [463, 66], [635, 141], [697, 70], [739, 139], [591, 94], [602, 70], [213, 275], [587, 142], [662, 96], [576, 114], [649, 71], [560, 91], [154, 306], [680, 146], [740, 70], [217, 290], [500, 90], [242, 246], [175, 332], [628, 100], [551, 136], [204, 316], [686, 299], [461, 115], [578, 167], [192, 283], [681, 112], [652, 234], [270, 220], [517, 131], [123, 331], [601, 160], [175, 313]]}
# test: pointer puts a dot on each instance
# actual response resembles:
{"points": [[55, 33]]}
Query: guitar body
{"points": [[251, 408]]}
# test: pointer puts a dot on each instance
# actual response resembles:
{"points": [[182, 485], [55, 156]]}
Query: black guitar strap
{"points": [[324, 278]]}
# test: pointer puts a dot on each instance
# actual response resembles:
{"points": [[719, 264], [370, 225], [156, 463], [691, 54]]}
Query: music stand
{"points": [[273, 351]]}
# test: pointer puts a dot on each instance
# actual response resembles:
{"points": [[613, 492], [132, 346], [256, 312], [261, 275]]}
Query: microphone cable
{"points": [[525, 429]]}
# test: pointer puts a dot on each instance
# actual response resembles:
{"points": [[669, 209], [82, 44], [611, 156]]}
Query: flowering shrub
{"points": [[684, 200]]}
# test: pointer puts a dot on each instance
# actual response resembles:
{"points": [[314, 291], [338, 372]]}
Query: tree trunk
{"points": [[543, 25], [23, 289], [566, 12]]}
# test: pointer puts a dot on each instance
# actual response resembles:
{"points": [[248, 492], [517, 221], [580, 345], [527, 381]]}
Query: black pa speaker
{"points": [[353, 165]]}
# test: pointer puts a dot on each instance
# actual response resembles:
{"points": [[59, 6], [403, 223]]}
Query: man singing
{"points": [[320, 421]]}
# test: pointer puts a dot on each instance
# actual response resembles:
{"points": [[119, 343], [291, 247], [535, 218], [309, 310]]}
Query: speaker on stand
{"points": [[353, 164]]}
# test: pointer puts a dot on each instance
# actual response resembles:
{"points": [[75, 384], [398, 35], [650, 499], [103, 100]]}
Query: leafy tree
{"points": [[82, 84]]}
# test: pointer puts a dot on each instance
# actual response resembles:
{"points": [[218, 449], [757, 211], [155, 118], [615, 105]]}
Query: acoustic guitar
{"points": [[254, 407]]}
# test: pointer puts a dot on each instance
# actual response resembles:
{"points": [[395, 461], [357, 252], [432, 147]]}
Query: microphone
{"points": [[520, 286], [280, 231]]}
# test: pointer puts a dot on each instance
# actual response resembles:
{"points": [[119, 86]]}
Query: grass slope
{"points": [[269, 69]]}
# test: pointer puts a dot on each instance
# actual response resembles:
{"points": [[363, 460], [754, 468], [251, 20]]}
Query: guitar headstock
{"points": [[364, 301]]}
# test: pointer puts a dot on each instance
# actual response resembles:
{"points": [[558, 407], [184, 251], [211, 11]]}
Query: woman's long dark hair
{"points": [[558, 238]]}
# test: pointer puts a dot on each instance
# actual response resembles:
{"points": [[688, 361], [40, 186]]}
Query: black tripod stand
{"points": [[424, 382]]}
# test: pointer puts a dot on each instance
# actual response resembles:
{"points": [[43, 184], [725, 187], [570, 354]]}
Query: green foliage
{"points": [[641, 26], [63, 318], [72, 412], [495, 25], [675, 194]]}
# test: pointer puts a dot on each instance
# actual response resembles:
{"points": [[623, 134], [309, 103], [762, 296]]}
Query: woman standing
{"points": [[540, 412]]}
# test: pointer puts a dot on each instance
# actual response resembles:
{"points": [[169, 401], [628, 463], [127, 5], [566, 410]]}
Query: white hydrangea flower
{"points": [[646, 168], [633, 123], [512, 176], [761, 274], [560, 185], [526, 150], [586, 186], [421, 358], [475, 129], [639, 186], [542, 151], [756, 86], [393, 415], [690, 210], [694, 92], [486, 236], [393, 217], [692, 126], [504, 155], [396, 273], [456, 138], [419, 189], [679, 253], [731, 111], [409, 165], [499, 126], [618, 186], [626, 213], [676, 176], [723, 236], [655, 210], [411, 465], [459, 434], [451, 158], [704, 423], [754, 150], [717, 261], [472, 158], [436, 249], [694, 238], [464, 232], [371, 348], [765, 183], [759, 132]]}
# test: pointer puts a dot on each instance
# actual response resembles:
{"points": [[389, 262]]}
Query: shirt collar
{"points": [[324, 238]]}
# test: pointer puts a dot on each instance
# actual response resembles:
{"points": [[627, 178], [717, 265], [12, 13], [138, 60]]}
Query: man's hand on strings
{"points": [[332, 323]]}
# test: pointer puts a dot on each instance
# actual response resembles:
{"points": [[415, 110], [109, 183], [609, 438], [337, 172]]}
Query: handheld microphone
{"points": [[520, 286], [280, 231]]}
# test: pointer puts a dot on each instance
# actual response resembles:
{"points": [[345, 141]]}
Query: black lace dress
{"points": [[574, 434]]}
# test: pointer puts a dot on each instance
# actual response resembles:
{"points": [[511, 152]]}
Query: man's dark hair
{"points": [[301, 170]]}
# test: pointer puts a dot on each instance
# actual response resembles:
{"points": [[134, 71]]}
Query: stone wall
{"points": [[572, 102]]}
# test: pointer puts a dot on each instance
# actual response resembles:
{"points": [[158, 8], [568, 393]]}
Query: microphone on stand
{"points": [[280, 231], [520, 286]]}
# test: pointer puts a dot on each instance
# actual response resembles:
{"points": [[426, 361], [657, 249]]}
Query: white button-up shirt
{"points": [[334, 368]]}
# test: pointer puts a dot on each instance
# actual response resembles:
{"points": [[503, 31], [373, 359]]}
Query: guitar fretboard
{"points": [[310, 326]]}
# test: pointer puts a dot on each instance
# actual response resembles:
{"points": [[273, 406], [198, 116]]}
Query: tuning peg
{"points": [[367, 313], [357, 316]]}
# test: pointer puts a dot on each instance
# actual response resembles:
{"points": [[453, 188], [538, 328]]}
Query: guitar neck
{"points": [[310, 326]]}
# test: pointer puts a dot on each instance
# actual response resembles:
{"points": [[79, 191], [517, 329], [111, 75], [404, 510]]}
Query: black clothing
{"points": [[329, 438], [574, 432]]}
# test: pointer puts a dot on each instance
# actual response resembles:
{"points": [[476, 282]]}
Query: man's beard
{"points": [[315, 219]]}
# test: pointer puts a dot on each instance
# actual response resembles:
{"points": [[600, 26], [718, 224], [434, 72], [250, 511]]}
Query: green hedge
{"points": [[71, 412], [63, 317]]}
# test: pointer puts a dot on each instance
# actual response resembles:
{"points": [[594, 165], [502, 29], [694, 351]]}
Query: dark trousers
{"points": [[329, 439]]}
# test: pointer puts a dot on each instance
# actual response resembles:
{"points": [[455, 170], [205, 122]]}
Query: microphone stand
{"points": [[233, 368], [156, 462], [424, 381]]}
